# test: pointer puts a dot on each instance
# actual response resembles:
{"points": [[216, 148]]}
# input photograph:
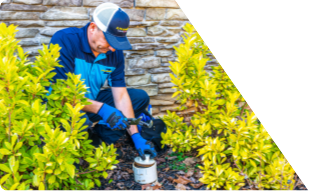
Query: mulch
{"points": [[169, 178]]}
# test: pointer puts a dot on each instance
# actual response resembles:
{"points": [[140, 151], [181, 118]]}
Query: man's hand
{"points": [[113, 118], [142, 145]]}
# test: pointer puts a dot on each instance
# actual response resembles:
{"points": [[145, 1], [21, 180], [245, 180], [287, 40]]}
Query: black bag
{"points": [[153, 134]]}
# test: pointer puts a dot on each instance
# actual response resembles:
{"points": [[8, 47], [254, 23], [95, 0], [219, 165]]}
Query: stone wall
{"points": [[155, 27]]}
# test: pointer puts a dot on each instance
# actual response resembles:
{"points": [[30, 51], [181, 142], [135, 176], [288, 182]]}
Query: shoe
{"points": [[96, 140], [120, 154]]}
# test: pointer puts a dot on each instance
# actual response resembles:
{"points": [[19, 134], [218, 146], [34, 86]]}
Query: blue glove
{"points": [[142, 145], [113, 118]]}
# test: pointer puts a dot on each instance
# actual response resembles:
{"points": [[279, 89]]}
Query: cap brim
{"points": [[118, 43]]}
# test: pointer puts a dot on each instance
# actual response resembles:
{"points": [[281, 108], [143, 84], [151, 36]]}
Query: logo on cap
{"points": [[122, 29]]}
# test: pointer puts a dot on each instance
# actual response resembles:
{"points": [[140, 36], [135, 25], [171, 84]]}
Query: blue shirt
{"points": [[77, 57]]}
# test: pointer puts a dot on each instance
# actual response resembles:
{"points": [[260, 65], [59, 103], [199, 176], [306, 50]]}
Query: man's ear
{"points": [[92, 27]]}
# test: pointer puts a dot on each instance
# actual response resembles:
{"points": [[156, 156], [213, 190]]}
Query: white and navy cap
{"points": [[114, 23]]}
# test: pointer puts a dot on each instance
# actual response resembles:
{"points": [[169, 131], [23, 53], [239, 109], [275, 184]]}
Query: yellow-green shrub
{"points": [[234, 146], [34, 152]]}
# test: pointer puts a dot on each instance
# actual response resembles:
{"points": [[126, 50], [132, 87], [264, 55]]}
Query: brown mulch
{"points": [[122, 178], [168, 179]]}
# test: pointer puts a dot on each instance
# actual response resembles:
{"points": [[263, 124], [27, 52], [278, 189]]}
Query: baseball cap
{"points": [[114, 23]]}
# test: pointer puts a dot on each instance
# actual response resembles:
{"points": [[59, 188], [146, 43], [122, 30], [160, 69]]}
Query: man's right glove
{"points": [[142, 145], [113, 118]]}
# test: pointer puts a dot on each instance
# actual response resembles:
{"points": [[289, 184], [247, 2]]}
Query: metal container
{"points": [[145, 171]]}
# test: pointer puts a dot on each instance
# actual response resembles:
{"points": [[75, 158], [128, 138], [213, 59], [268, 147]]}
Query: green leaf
{"points": [[105, 174], [97, 182], [219, 102], [65, 124], [13, 141], [5, 152], [14, 186], [57, 171], [176, 93], [91, 160], [5, 168], [8, 145], [35, 180], [12, 162], [63, 176], [49, 171], [41, 187], [252, 163], [18, 145], [28, 160], [70, 169], [22, 186], [52, 179], [59, 160], [4, 178], [16, 167]]}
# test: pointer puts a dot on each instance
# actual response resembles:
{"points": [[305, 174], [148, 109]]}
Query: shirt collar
{"points": [[85, 44]]}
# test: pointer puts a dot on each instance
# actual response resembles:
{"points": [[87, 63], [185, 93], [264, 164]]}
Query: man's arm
{"points": [[123, 103], [94, 107]]}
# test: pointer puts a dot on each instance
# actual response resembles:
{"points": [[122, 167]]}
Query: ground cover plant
{"points": [[234, 147], [42, 137]]}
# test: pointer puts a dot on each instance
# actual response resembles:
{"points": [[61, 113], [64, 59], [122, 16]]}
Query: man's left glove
{"points": [[113, 118], [142, 145]]}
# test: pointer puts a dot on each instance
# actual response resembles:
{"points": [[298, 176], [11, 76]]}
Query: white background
{"points": [[264, 48]]}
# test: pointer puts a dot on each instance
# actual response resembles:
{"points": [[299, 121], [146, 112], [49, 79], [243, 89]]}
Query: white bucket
{"points": [[147, 174]]}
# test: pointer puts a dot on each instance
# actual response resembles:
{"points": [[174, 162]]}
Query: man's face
{"points": [[97, 40]]}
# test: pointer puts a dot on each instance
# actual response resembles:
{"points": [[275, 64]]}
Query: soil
{"points": [[169, 177]]}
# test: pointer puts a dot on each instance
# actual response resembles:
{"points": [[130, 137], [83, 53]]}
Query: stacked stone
{"points": [[155, 27]]}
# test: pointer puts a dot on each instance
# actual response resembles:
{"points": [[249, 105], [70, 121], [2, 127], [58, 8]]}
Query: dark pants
{"points": [[140, 101]]}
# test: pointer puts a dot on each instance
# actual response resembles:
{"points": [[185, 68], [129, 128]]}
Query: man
{"points": [[95, 52]]}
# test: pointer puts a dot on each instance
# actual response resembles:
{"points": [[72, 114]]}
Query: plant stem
{"points": [[296, 184], [78, 181], [87, 172], [6, 158], [10, 123], [260, 177], [242, 110], [248, 180], [281, 182], [4, 187], [282, 177], [45, 184]]}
